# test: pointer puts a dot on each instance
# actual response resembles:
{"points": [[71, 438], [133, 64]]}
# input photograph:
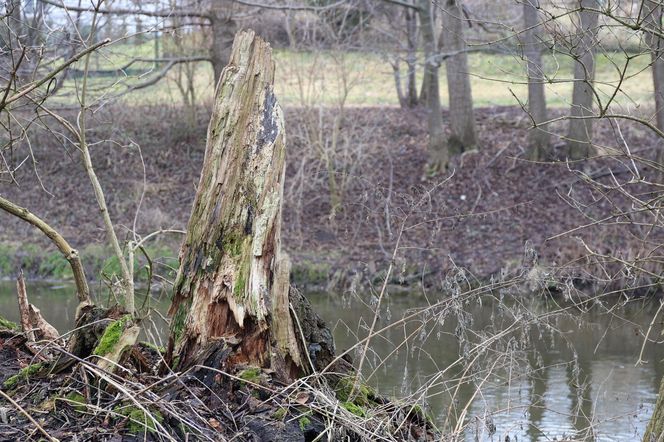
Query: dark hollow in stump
{"points": [[232, 288]]}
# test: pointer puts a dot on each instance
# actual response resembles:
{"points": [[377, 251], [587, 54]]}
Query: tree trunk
{"points": [[411, 57], [438, 150], [231, 293], [538, 137], [462, 120], [424, 87], [579, 142], [223, 28], [655, 430], [653, 19]]}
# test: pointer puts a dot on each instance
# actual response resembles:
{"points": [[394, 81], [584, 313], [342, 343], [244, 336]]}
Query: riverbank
{"points": [[62, 394], [348, 200]]}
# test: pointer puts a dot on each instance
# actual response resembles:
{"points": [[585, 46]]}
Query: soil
{"points": [[492, 212]]}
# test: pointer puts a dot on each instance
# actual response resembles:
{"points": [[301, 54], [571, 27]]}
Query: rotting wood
{"points": [[32, 322], [232, 283], [24, 307]]}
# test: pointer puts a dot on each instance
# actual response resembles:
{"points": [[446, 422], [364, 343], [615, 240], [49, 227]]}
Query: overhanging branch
{"points": [[67, 251]]}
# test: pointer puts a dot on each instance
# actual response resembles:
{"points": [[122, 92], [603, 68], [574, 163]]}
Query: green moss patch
{"points": [[279, 414], [139, 421], [354, 408], [76, 400], [4, 323], [251, 374], [157, 348], [111, 336], [304, 422], [362, 395], [22, 375]]}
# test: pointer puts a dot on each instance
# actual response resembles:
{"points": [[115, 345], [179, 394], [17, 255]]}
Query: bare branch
{"points": [[31, 87], [290, 7], [121, 11], [68, 251]]}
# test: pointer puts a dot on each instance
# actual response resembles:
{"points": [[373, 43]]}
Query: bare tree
{"points": [[462, 119], [438, 148], [579, 143], [411, 57], [538, 137], [407, 94], [11, 24], [653, 18]]}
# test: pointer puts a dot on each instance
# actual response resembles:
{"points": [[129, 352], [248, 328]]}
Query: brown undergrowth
{"points": [[480, 215], [49, 392]]}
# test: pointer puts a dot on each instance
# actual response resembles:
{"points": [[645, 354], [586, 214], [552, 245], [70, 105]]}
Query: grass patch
{"points": [[55, 266], [318, 78], [308, 273]]}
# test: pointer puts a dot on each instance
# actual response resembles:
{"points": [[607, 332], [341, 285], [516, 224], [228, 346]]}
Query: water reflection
{"points": [[581, 381]]}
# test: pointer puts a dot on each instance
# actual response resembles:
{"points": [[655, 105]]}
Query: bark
{"points": [[579, 136], [438, 149], [655, 430], [403, 102], [32, 322], [462, 119], [653, 10], [44, 329], [231, 294], [24, 308], [426, 80], [538, 137], [411, 58], [223, 29]]}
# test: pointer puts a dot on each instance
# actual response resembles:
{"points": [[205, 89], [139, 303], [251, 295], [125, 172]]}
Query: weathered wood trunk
{"points": [[232, 289]]}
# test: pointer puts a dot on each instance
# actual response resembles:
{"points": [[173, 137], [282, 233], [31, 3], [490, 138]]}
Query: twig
{"points": [[30, 418]]}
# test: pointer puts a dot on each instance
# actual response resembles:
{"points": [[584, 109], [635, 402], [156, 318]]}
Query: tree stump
{"points": [[232, 286]]}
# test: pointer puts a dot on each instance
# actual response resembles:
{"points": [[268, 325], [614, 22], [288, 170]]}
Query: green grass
{"points": [[366, 79]]}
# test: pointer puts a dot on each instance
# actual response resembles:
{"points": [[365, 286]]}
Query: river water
{"points": [[530, 369]]}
